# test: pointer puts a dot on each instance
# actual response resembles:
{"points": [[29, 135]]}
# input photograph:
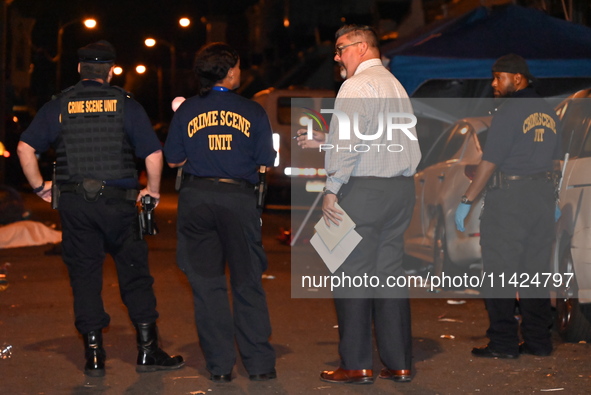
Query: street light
{"points": [[141, 69], [151, 42], [89, 23], [184, 22]]}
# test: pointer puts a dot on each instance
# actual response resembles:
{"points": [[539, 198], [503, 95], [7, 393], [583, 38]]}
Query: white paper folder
{"points": [[331, 236], [335, 243]]}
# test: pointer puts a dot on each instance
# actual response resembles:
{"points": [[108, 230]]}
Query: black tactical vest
{"points": [[93, 143]]}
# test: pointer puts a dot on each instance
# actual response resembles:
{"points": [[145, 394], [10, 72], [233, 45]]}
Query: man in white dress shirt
{"points": [[370, 169]]}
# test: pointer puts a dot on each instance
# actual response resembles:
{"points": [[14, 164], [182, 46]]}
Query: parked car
{"points": [[295, 171], [442, 177], [572, 252], [445, 173]]}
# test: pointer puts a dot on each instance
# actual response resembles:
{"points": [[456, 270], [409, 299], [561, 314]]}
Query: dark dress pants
{"points": [[381, 209]]}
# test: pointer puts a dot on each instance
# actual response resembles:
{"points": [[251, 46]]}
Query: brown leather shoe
{"points": [[345, 376], [400, 376]]}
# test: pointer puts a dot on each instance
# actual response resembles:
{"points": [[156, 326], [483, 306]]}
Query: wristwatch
{"points": [[465, 200], [39, 188]]}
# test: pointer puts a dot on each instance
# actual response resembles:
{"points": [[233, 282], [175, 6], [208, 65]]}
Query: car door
{"points": [[575, 196], [414, 235], [429, 181]]}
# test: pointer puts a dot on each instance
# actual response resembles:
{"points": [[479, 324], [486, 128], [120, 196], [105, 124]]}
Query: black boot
{"points": [[151, 357], [95, 354]]}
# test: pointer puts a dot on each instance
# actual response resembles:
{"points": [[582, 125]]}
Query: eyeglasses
{"points": [[339, 50]]}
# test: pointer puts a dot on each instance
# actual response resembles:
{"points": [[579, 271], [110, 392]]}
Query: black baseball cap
{"points": [[99, 52], [513, 64]]}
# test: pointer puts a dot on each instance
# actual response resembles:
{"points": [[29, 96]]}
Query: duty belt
{"points": [[106, 191], [500, 180], [233, 181], [545, 175]]}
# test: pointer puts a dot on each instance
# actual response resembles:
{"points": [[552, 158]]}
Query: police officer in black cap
{"points": [[522, 151], [97, 131]]}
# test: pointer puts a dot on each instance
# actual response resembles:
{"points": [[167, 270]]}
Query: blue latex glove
{"points": [[461, 214], [557, 213]]}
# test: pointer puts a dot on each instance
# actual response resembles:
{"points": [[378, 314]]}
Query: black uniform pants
{"points": [[91, 229], [219, 223], [381, 209], [517, 231]]}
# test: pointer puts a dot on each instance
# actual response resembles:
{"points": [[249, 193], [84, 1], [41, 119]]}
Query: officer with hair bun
{"points": [[221, 139], [97, 131]]}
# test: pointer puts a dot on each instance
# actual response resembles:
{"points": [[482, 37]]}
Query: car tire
{"points": [[570, 322]]}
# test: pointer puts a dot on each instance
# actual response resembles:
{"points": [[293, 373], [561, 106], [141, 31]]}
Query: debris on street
{"points": [[449, 320], [3, 276], [455, 301], [5, 351]]}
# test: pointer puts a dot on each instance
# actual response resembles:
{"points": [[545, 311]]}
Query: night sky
{"points": [[124, 23]]}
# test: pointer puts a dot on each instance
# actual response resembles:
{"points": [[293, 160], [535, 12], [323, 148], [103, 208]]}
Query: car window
{"points": [[291, 110], [446, 147], [433, 156], [586, 151], [482, 138], [284, 109], [455, 141], [575, 125]]}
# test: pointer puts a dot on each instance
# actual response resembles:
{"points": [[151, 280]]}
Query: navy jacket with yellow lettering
{"points": [[45, 129], [221, 135], [525, 135]]}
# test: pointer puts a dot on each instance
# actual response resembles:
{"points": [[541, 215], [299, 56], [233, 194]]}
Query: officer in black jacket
{"points": [[517, 226], [97, 131]]}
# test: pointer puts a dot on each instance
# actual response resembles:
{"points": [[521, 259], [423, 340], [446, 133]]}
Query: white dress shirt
{"points": [[367, 98]]}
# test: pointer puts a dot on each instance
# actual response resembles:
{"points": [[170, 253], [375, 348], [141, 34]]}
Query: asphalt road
{"points": [[47, 354]]}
